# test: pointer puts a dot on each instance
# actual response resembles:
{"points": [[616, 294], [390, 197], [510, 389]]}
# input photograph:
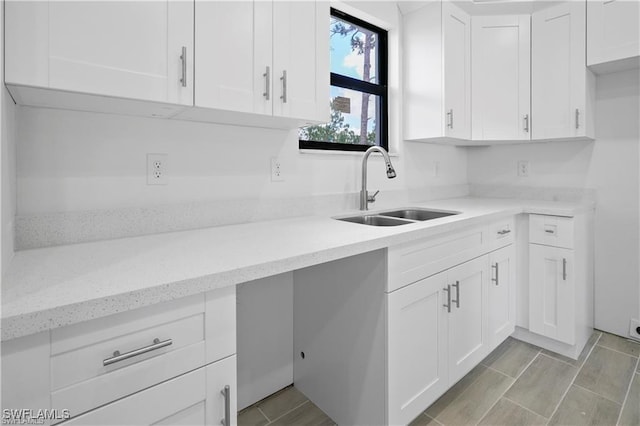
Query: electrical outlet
{"points": [[523, 168], [276, 170], [157, 169]]}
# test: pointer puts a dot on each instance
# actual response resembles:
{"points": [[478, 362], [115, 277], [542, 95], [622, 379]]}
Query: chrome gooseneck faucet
{"points": [[365, 198]]}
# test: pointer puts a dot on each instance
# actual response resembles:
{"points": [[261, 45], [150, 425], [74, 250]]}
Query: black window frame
{"points": [[379, 89]]}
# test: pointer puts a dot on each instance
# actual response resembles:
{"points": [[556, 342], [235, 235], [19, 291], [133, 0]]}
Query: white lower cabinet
{"points": [[195, 398], [502, 294], [551, 292], [437, 332], [417, 347], [560, 286], [467, 331]]}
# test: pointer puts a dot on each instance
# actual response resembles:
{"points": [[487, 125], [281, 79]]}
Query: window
{"points": [[358, 96]]}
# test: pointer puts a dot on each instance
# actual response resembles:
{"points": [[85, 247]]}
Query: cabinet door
{"points": [[301, 60], [220, 375], [613, 31], [417, 347], [551, 292], [457, 71], [175, 401], [122, 49], [233, 51], [502, 295], [501, 81], [558, 71], [468, 337]]}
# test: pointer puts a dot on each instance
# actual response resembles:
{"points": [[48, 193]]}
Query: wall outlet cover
{"points": [[276, 170], [523, 168], [157, 169]]}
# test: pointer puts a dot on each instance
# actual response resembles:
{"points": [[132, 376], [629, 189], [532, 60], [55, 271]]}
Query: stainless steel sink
{"points": [[418, 214], [397, 217], [375, 220]]}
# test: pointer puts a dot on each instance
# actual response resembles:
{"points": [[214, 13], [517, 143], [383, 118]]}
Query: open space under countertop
{"points": [[57, 286]]}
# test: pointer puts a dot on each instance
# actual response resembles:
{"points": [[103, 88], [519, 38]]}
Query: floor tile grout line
{"points": [[287, 412], [523, 407], [626, 396], [574, 378], [597, 394], [500, 372], [620, 352], [263, 413], [431, 418], [509, 387]]}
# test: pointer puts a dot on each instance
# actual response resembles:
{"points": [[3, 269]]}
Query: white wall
{"points": [[610, 166], [7, 163]]}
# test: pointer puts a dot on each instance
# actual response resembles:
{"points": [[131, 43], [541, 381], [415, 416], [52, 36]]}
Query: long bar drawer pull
{"points": [[495, 280], [183, 60], [226, 392], [117, 356], [564, 269], [504, 232]]}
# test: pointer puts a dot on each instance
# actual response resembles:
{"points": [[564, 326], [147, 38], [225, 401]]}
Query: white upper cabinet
{"points": [[260, 63], [501, 88], [138, 50], [613, 35], [261, 57], [437, 73], [233, 47], [301, 60], [562, 88]]}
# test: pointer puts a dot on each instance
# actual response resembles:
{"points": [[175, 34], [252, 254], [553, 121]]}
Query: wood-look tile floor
{"points": [[517, 384]]}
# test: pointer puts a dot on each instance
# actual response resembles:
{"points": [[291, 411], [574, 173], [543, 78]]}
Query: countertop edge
{"points": [[23, 324]]}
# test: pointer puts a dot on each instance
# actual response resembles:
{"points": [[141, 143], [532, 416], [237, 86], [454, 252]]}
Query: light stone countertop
{"points": [[57, 286]]}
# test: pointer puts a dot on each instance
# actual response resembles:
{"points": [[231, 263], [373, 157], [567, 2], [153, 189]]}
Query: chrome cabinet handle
{"points": [[267, 78], [564, 269], [448, 290], [496, 266], [577, 118], [284, 86], [504, 232], [183, 58], [549, 231], [226, 392], [450, 119], [117, 356], [457, 301], [526, 123]]}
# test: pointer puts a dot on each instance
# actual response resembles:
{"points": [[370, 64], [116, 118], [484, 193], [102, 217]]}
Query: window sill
{"points": [[336, 152]]}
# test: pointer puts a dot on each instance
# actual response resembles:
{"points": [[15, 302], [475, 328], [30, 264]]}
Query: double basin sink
{"points": [[397, 217]]}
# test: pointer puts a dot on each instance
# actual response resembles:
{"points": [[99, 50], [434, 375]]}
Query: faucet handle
{"points": [[372, 198]]}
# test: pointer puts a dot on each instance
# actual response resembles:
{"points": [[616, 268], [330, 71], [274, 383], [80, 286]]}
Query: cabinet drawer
{"points": [[501, 233], [410, 262], [553, 231], [181, 398], [96, 362]]}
